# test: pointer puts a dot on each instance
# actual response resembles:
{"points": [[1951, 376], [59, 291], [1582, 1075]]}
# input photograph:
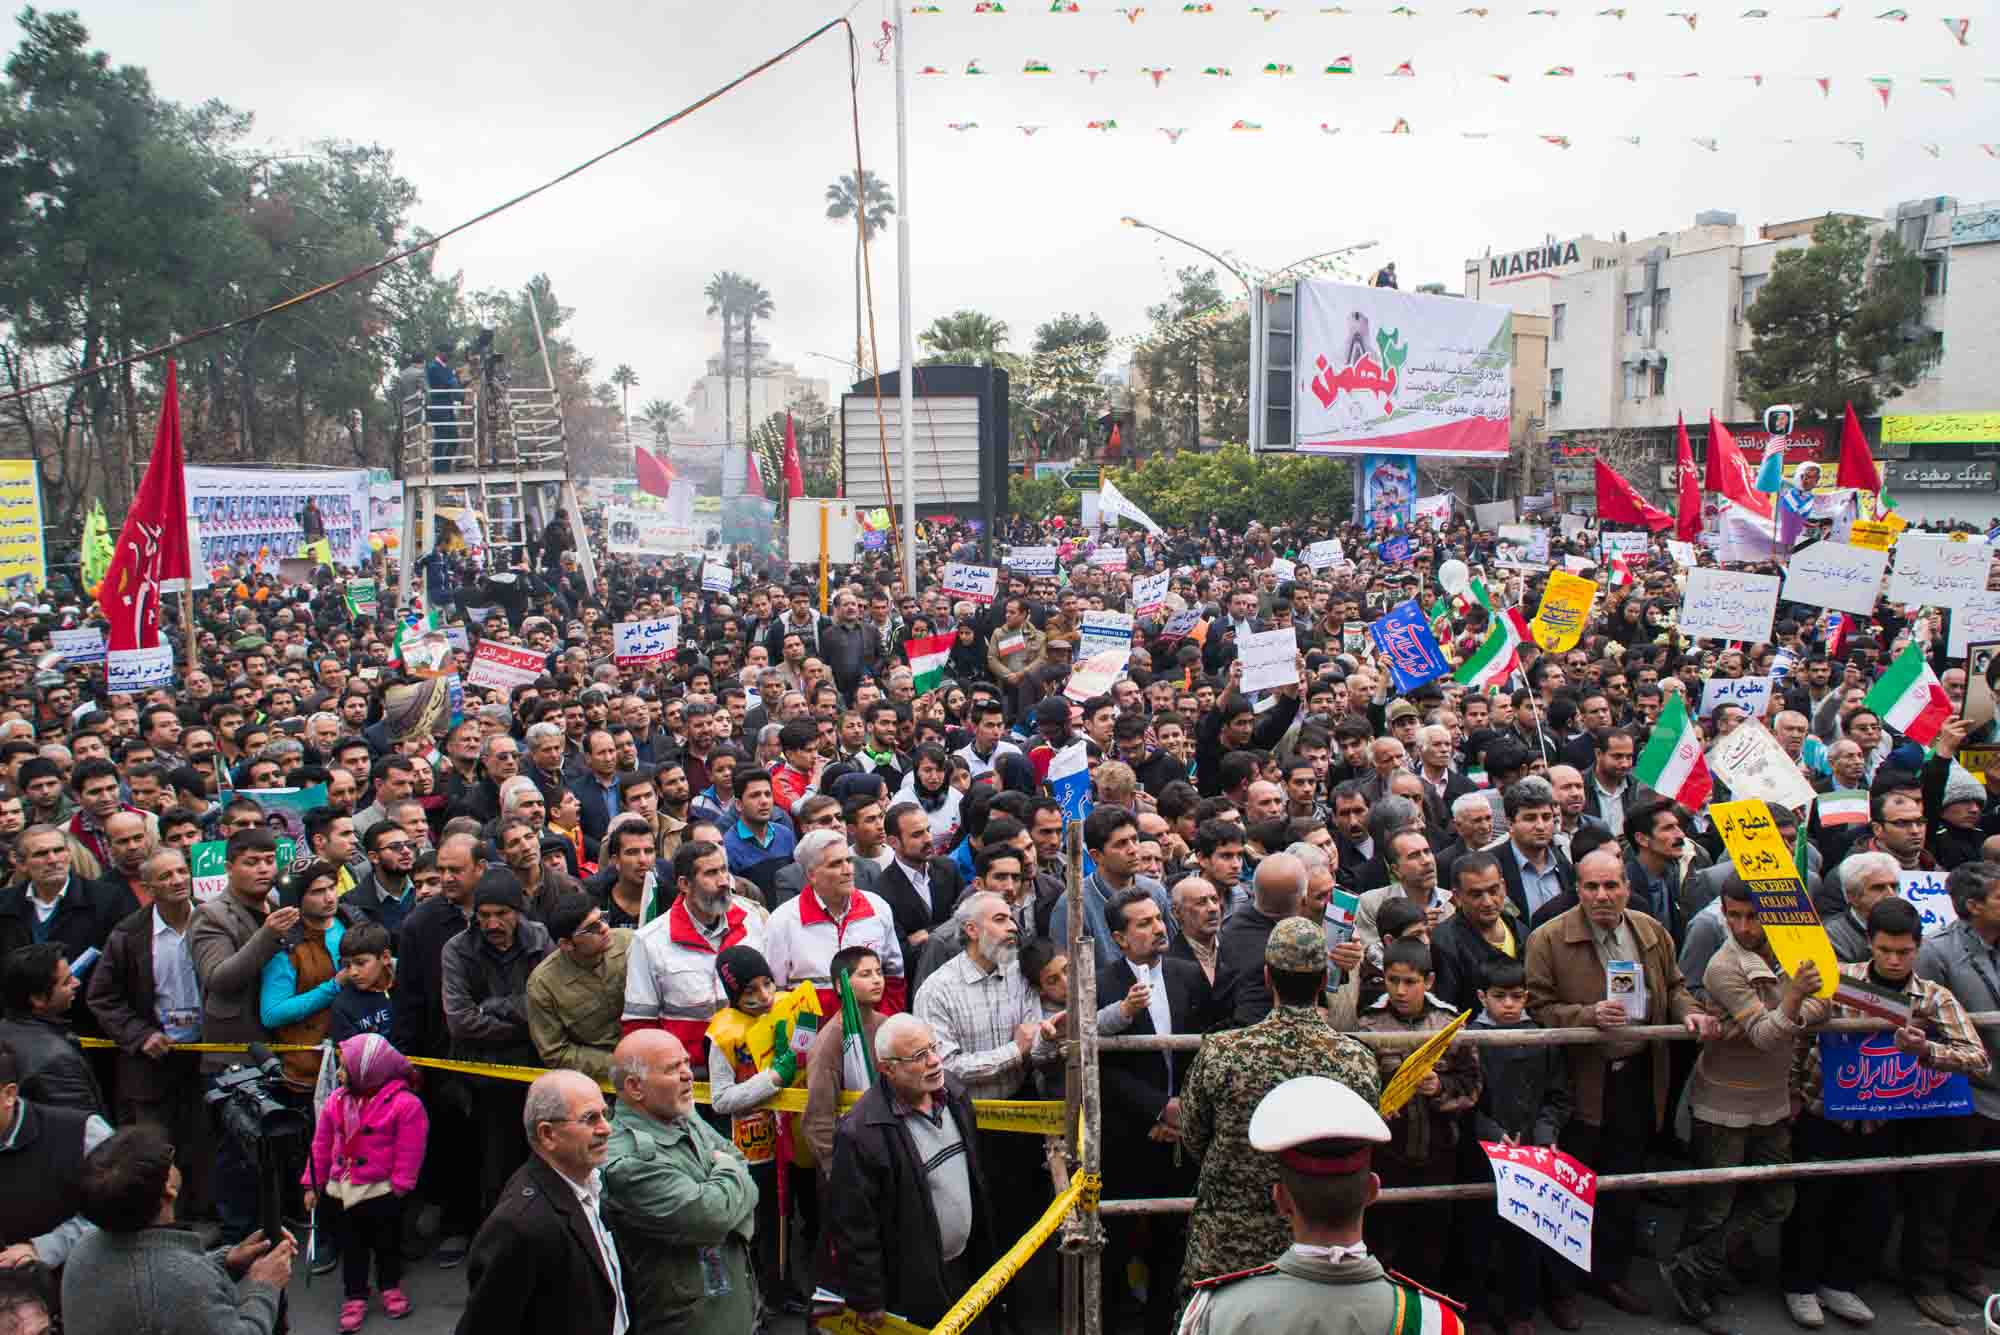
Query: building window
{"points": [[1555, 385], [1635, 381], [1937, 277], [1753, 283], [1557, 318], [1659, 378], [1660, 297], [1635, 308]]}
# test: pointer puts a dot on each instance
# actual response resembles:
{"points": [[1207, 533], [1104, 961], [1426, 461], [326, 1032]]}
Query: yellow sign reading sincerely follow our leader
{"points": [[1784, 909]]}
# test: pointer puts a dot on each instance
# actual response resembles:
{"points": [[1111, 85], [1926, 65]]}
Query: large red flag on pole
{"points": [[153, 543], [795, 480], [1729, 473], [656, 475], [1687, 488], [1857, 465], [1619, 503]]}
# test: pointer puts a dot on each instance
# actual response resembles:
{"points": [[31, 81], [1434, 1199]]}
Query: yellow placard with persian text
{"points": [[1784, 909], [23, 560], [1417, 1065], [1558, 625], [1873, 534]]}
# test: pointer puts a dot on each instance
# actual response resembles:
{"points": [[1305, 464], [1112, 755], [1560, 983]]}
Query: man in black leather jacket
{"points": [[37, 988]]}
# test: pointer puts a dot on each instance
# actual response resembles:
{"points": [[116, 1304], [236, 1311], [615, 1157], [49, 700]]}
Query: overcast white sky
{"points": [[480, 101]]}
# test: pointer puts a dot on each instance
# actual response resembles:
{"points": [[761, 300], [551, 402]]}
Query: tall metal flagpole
{"points": [[906, 335]]}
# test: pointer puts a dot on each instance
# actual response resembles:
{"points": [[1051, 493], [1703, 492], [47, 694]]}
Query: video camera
{"points": [[271, 1133]]}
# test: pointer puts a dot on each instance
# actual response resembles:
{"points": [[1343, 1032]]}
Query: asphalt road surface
{"points": [[438, 1298]]}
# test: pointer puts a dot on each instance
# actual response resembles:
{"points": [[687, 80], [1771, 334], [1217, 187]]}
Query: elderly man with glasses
{"points": [[911, 1248]]}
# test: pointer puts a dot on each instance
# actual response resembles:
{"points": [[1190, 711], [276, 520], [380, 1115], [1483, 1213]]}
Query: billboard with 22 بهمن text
{"points": [[1380, 370]]}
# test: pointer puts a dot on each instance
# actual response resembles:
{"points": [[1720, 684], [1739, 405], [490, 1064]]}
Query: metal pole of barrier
{"points": [[1073, 1228], [1525, 1038], [1681, 1178], [1087, 1316]]}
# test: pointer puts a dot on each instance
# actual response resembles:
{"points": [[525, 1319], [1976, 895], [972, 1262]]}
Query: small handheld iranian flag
{"points": [[1843, 806], [1672, 763], [1496, 659], [1909, 697], [927, 660]]}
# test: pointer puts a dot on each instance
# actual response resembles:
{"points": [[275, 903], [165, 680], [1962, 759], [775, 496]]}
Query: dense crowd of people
{"points": [[624, 874]]}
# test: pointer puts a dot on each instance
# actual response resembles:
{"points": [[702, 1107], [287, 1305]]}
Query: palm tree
{"points": [[964, 336], [753, 303], [662, 416], [625, 377], [872, 204], [721, 293]]}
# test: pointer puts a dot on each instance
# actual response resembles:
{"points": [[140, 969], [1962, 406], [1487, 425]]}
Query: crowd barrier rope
{"points": [[1033, 1117]]}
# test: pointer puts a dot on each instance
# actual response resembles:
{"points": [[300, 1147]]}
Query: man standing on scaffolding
{"points": [[447, 396]]}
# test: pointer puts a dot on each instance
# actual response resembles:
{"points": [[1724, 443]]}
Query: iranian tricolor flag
{"points": [[1621, 570], [1672, 763], [1843, 806], [927, 659], [1909, 697], [1495, 659]]}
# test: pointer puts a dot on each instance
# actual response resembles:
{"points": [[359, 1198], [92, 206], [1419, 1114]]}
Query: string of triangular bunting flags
{"points": [[1958, 27], [1173, 134]]}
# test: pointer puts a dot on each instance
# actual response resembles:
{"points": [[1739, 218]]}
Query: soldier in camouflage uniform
{"points": [[1235, 1225]]}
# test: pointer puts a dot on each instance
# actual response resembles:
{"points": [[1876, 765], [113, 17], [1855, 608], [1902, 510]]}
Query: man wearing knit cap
{"points": [[485, 971], [1234, 1225], [1319, 1136]]}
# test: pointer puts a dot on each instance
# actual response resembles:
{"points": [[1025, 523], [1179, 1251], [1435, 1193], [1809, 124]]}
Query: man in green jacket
{"points": [[678, 1198]]}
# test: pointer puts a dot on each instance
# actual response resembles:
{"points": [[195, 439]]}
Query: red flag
{"points": [[1618, 503], [1729, 474], [1857, 465], [1687, 489], [1112, 446], [795, 480], [152, 544], [656, 475], [753, 481]]}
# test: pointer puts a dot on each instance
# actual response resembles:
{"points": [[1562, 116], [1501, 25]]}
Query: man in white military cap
{"points": [[1323, 1135]]}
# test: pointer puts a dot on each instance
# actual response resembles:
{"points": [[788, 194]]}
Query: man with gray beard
{"points": [[988, 1026]]}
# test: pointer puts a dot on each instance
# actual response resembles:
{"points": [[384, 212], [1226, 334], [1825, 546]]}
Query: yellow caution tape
{"points": [[1032, 1117], [983, 1291], [845, 1322]]}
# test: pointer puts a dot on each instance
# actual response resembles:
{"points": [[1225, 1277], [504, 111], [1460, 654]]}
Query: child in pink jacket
{"points": [[367, 1150]]}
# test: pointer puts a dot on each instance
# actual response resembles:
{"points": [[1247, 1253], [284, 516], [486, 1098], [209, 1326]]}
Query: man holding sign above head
{"points": [[1740, 1097], [1603, 964]]}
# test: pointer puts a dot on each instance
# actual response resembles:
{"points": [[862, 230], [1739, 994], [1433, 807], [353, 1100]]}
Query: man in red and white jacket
{"points": [[826, 916], [670, 980]]}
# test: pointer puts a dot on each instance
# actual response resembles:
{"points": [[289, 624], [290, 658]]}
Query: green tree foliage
{"points": [[965, 338], [874, 204], [1836, 324], [753, 303], [1041, 497], [660, 417], [1056, 398], [1233, 487], [1196, 373]]}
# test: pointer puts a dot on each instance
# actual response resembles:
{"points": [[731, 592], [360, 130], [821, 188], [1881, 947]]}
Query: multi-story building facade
{"points": [[1643, 330]]}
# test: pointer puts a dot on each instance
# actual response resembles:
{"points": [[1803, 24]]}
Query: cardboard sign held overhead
{"points": [[1791, 923]]}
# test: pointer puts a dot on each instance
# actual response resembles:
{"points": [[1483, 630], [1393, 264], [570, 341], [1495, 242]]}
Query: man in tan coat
{"points": [[1620, 1087], [1014, 647]]}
